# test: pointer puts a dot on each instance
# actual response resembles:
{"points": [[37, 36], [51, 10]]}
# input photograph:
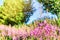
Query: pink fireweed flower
{"points": [[13, 32], [44, 30], [2, 27], [37, 32], [22, 33], [14, 38], [48, 30], [8, 31], [3, 33], [42, 23], [41, 38]]}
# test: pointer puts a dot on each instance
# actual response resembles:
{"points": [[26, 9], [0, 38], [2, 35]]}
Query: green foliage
{"points": [[54, 22], [32, 38], [8, 38], [51, 5], [11, 12], [58, 22]]}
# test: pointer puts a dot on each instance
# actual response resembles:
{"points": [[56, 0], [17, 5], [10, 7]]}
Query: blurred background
{"points": [[26, 14]]}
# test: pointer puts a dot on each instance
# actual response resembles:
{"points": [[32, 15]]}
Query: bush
{"points": [[51, 5], [11, 12]]}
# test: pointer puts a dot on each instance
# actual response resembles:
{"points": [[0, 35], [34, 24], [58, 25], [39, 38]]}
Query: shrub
{"points": [[51, 5], [11, 12]]}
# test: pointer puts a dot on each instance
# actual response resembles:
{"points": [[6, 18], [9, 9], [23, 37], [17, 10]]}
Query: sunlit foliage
{"points": [[51, 5], [11, 12]]}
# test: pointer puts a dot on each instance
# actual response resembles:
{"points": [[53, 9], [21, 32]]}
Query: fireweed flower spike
{"points": [[45, 30], [13, 32]]}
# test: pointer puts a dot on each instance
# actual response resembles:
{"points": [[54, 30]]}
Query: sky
{"points": [[38, 10], [1, 2]]}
